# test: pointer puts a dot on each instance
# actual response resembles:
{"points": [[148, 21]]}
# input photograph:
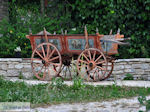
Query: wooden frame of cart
{"points": [[66, 56]]}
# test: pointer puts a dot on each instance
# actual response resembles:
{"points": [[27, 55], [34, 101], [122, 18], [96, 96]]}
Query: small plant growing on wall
{"points": [[145, 102], [128, 77]]}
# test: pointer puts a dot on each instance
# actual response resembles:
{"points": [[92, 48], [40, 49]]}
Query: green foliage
{"points": [[78, 83], [143, 101], [57, 83], [132, 17], [20, 75], [128, 77], [59, 92]]}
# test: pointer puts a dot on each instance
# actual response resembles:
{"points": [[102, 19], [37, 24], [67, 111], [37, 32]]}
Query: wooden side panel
{"points": [[76, 44]]}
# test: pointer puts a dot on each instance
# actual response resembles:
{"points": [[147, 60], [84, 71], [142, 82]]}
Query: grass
{"points": [[58, 92]]}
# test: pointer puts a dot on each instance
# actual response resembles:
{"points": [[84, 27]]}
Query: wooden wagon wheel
{"points": [[110, 67], [44, 58], [91, 62], [68, 71]]}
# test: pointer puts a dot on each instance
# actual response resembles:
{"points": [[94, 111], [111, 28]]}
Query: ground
{"points": [[120, 105]]}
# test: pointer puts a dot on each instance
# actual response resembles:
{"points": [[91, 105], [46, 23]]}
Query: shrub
{"points": [[128, 77], [132, 17]]}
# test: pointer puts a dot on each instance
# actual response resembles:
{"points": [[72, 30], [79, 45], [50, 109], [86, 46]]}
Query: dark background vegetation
{"points": [[131, 16]]}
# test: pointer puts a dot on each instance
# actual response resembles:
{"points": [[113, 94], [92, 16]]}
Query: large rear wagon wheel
{"points": [[44, 58], [90, 64], [110, 67]]}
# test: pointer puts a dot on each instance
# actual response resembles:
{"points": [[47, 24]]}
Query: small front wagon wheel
{"points": [[44, 59], [90, 64]]}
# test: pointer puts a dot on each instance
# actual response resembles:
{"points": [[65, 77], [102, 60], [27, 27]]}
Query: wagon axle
{"points": [[92, 64], [66, 62], [45, 63]]}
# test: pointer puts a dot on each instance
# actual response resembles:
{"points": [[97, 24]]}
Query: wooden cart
{"points": [[68, 55]]}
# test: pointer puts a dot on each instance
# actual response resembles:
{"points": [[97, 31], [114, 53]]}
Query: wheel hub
{"points": [[92, 64], [45, 62]]}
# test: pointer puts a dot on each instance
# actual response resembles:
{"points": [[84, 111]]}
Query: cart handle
{"points": [[86, 38], [46, 38]]}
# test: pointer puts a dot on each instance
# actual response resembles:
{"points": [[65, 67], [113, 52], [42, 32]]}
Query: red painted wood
{"points": [[64, 42]]}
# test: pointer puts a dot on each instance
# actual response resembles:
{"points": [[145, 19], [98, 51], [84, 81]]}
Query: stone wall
{"points": [[13, 67], [140, 68], [3, 9]]}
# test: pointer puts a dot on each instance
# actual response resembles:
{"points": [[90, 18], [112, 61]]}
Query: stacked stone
{"points": [[139, 68], [13, 67], [3, 9]]}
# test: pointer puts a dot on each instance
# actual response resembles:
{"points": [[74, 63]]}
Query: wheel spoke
{"points": [[48, 49], [83, 61], [100, 62], [53, 58], [69, 67], [64, 71], [55, 64], [98, 58], [94, 55], [36, 65], [101, 68], [89, 54], [49, 73], [86, 57], [99, 75], [40, 71], [44, 74], [51, 53], [39, 54], [43, 51]]}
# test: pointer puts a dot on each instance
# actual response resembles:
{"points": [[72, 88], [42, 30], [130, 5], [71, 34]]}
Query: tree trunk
{"points": [[42, 7]]}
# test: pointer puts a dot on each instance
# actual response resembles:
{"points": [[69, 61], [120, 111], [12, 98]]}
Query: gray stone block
{"points": [[18, 66], [127, 66], [26, 60], [118, 72], [139, 71], [13, 73], [11, 66], [119, 67], [145, 66], [27, 66], [10, 59], [129, 70], [4, 66], [3, 73], [27, 75], [26, 70], [136, 66]]}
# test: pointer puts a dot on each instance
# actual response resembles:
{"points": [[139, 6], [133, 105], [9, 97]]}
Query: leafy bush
{"points": [[132, 17]]}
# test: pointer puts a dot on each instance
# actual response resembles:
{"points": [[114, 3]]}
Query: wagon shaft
{"points": [[111, 38]]}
